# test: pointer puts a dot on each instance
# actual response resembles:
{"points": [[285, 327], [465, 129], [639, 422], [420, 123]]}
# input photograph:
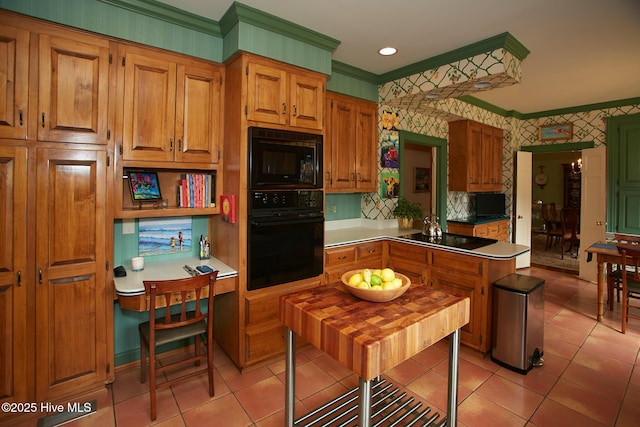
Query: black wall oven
{"points": [[285, 237], [280, 159]]}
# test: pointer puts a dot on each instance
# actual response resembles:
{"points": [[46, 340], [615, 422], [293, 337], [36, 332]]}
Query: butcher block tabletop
{"points": [[367, 337]]}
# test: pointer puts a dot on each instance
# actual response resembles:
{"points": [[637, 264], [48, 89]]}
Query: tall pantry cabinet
{"points": [[55, 306]]}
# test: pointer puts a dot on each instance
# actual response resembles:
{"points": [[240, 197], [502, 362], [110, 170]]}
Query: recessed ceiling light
{"points": [[386, 51], [432, 95], [482, 85]]}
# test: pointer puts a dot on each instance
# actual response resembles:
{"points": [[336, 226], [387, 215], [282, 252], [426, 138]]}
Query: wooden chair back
{"points": [[630, 257]]}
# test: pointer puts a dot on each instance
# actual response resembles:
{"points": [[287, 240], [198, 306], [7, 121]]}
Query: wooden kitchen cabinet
{"points": [[14, 68], [58, 89], [169, 107], [284, 95], [498, 230], [339, 260], [475, 153], [410, 260], [57, 309], [14, 279], [72, 299], [73, 90], [351, 143]]}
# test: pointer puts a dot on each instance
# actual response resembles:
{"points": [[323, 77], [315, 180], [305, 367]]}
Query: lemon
{"points": [[387, 275], [376, 288], [388, 285], [377, 272], [363, 285], [397, 282], [376, 280], [355, 279]]}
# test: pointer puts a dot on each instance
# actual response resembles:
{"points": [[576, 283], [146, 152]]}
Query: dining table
{"points": [[606, 254], [370, 338]]}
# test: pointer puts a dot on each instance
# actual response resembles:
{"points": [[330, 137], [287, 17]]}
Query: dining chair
{"points": [[614, 276], [570, 234], [191, 321], [630, 255], [553, 228]]}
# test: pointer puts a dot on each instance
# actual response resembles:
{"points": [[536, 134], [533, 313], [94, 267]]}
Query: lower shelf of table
{"points": [[389, 407]]}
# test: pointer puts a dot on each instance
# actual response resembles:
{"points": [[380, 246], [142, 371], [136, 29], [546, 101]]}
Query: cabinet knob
{"points": [[284, 108], [295, 110]]}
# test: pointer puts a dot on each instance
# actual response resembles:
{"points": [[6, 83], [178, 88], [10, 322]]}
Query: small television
{"points": [[144, 186], [490, 205]]}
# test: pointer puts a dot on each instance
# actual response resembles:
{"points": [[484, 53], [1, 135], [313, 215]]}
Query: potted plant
{"points": [[407, 211]]}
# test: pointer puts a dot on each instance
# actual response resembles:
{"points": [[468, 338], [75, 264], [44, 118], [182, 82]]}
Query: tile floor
{"points": [[591, 377]]}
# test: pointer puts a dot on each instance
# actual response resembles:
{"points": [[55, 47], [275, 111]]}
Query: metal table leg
{"points": [[364, 403], [452, 401], [290, 377]]}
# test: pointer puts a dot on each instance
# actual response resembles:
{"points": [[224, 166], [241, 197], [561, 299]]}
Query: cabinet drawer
{"points": [[338, 256], [369, 251], [413, 253], [457, 262]]}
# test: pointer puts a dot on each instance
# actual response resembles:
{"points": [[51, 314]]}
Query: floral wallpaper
{"points": [[403, 102]]}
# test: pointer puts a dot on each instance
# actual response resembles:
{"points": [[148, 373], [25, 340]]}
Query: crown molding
{"points": [[351, 71], [239, 12], [583, 108], [501, 41], [173, 15]]}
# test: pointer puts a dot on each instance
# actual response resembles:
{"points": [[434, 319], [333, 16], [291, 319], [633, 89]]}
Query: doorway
{"points": [[412, 144], [555, 186]]}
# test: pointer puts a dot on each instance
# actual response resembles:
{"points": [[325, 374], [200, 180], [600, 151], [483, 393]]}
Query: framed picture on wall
{"points": [[556, 132], [421, 180]]}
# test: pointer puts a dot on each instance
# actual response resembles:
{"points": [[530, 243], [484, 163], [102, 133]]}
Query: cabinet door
{"points": [[366, 148], [491, 159], [475, 152], [465, 286], [73, 91], [14, 69], [71, 292], [307, 102], [198, 114], [148, 86], [13, 274], [343, 148], [266, 94]]}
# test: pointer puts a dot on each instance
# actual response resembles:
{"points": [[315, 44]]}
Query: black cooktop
{"points": [[452, 240]]}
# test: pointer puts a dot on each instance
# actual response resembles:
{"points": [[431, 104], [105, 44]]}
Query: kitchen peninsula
{"points": [[463, 265]]}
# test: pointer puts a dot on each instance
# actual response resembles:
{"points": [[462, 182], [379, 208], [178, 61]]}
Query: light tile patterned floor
{"points": [[591, 377]]}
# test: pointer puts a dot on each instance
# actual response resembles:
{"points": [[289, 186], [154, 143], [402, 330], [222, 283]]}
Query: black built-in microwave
{"points": [[280, 159]]}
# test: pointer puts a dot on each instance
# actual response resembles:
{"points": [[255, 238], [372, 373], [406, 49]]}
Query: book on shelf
{"points": [[196, 190]]}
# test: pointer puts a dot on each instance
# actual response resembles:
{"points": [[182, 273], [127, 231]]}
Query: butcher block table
{"points": [[370, 338]]}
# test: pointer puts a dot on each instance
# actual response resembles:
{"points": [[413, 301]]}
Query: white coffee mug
{"points": [[137, 263]]}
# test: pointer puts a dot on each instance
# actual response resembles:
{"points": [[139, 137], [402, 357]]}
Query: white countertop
{"points": [[346, 232], [132, 283]]}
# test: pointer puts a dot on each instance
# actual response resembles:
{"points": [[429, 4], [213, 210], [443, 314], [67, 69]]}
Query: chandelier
{"points": [[576, 167]]}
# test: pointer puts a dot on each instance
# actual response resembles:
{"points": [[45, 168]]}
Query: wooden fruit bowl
{"points": [[372, 294]]}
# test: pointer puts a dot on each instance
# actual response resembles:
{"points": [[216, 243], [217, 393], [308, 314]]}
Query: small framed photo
{"points": [[144, 186], [421, 180], [556, 132]]}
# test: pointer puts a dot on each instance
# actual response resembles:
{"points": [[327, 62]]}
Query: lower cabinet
{"points": [[56, 309], [338, 261], [264, 334]]}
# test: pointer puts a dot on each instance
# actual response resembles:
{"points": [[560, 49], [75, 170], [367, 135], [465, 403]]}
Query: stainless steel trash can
{"points": [[518, 322]]}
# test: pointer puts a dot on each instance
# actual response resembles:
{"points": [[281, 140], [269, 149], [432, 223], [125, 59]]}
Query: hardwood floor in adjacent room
{"points": [[590, 377]]}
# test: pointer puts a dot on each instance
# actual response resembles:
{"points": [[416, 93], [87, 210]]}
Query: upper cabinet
{"points": [[171, 107], [73, 83], [475, 153], [14, 69], [69, 100], [350, 145], [284, 95]]}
